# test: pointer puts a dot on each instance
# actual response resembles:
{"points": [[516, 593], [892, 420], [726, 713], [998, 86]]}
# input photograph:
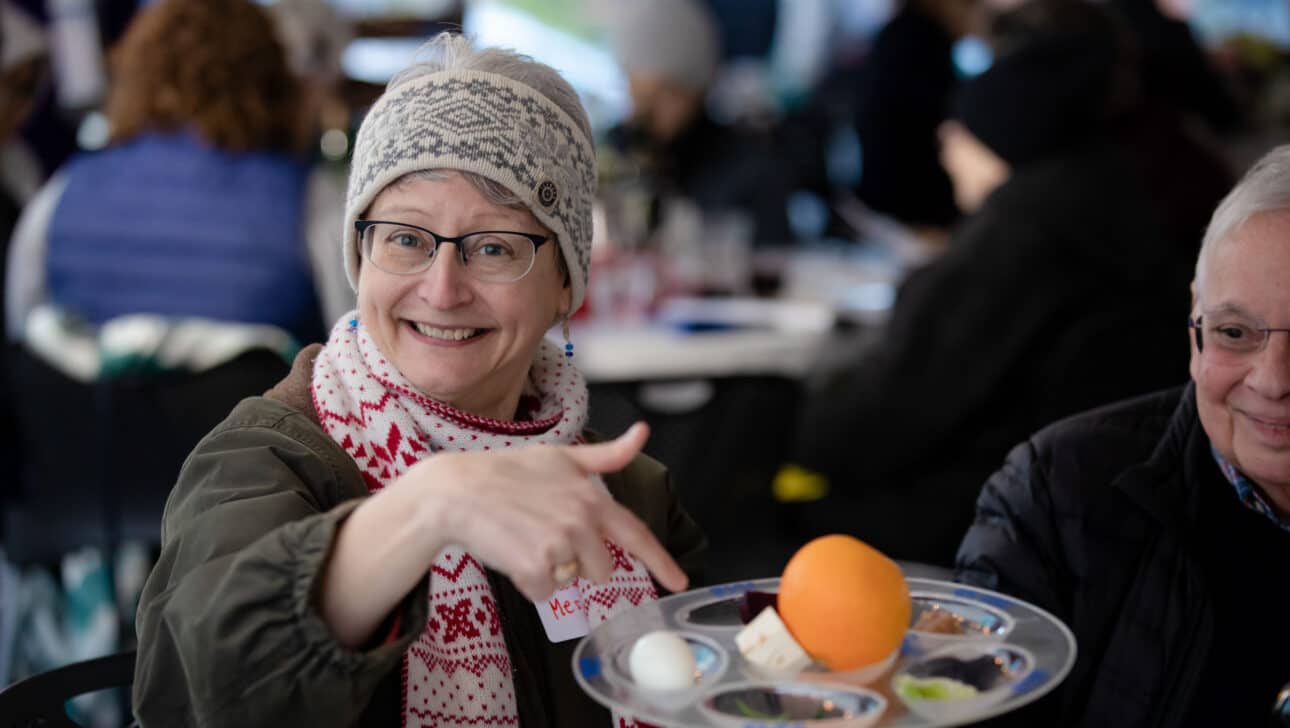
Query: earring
{"points": [[568, 345]]}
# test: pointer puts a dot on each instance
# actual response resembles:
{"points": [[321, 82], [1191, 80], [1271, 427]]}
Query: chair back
{"points": [[40, 701]]}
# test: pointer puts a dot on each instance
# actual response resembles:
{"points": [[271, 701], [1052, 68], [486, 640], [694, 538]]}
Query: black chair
{"points": [[40, 701], [100, 458]]}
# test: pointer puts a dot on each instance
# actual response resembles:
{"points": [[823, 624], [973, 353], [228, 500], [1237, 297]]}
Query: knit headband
{"points": [[498, 128]]}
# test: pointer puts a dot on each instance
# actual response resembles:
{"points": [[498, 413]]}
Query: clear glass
{"points": [[491, 256]]}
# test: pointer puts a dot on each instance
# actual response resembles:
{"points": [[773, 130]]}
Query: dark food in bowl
{"points": [[940, 621], [983, 673], [751, 604]]}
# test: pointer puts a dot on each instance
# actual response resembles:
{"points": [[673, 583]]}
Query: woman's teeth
{"points": [[446, 334]]}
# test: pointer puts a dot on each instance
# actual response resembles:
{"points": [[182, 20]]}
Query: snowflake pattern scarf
{"points": [[458, 672]]}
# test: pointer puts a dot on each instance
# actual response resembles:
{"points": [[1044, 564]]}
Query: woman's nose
{"points": [[446, 283]]}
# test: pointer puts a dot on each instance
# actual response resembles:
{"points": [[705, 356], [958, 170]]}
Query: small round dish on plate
{"points": [[962, 680], [939, 620], [771, 704], [710, 663]]}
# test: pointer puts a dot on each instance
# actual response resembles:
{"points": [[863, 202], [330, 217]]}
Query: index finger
{"points": [[623, 528]]}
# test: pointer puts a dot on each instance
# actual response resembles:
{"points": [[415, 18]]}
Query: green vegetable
{"points": [[751, 712], [932, 688]]}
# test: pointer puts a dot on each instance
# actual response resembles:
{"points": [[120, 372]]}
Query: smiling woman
{"points": [[366, 542]]}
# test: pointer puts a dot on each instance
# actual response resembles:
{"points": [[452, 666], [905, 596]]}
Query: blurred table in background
{"points": [[720, 380]]}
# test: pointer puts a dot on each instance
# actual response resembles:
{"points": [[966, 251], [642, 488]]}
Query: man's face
{"points": [[1243, 391]]}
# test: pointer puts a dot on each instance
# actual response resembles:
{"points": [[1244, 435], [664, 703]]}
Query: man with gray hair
{"points": [[1159, 528]]}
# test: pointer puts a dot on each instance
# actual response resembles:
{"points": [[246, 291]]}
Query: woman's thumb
{"points": [[611, 456]]}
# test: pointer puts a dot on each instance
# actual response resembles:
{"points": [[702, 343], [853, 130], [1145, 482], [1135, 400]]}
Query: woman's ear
{"points": [[563, 310]]}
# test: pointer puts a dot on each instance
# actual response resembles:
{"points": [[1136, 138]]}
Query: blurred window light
{"points": [[1216, 20], [555, 33], [808, 215], [972, 56], [861, 18], [375, 60], [393, 8]]}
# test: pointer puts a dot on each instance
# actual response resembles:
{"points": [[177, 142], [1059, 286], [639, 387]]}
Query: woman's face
{"points": [[460, 341]]}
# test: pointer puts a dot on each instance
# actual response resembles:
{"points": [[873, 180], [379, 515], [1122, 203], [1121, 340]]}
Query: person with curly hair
{"points": [[154, 283], [197, 209]]}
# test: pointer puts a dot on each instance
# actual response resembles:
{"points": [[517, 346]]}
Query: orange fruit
{"points": [[845, 602]]}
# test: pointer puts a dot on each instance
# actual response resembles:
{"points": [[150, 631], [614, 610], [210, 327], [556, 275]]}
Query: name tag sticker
{"points": [[564, 615]]}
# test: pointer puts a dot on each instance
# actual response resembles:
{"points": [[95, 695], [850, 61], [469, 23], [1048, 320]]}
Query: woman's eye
{"points": [[405, 240], [492, 249]]}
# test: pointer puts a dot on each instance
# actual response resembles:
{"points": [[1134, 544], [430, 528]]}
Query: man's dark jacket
{"points": [[1099, 519]]}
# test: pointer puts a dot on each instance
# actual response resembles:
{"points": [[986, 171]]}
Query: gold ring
{"points": [[565, 572]]}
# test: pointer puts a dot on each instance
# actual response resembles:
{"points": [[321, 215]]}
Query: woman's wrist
{"points": [[425, 496]]}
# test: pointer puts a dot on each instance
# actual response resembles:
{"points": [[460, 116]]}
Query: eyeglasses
{"points": [[1231, 334], [488, 256]]}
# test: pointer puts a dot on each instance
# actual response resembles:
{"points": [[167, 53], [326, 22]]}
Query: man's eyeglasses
{"points": [[488, 256], [1231, 334]]}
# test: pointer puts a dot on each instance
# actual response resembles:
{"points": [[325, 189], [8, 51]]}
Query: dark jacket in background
{"points": [[1066, 290], [228, 630], [1177, 76], [1119, 522], [905, 85]]}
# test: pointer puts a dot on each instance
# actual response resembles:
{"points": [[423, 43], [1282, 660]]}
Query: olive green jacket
{"points": [[229, 633]]}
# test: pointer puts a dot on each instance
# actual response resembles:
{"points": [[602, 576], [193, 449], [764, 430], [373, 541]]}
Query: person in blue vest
{"points": [[197, 209]]}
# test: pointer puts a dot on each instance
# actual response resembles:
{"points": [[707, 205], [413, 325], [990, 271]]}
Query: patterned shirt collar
{"points": [[1247, 492]]}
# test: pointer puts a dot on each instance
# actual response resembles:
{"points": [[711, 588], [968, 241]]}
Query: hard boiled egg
{"points": [[662, 660]]}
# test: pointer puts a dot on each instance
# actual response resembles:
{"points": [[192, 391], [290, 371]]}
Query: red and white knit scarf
{"points": [[458, 672]]}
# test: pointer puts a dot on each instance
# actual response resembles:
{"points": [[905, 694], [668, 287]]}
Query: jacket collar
{"points": [[295, 389], [1164, 485]]}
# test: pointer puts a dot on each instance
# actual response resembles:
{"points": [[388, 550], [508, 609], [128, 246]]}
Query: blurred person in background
{"points": [[197, 209], [378, 538], [154, 283], [24, 67], [670, 51], [906, 83], [24, 64], [1178, 76], [1157, 527], [1054, 295], [314, 37]]}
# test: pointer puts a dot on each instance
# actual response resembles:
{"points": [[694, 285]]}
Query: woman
{"points": [[365, 543]]}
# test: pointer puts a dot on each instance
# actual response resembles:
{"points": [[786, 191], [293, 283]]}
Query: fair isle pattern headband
{"points": [[488, 124]]}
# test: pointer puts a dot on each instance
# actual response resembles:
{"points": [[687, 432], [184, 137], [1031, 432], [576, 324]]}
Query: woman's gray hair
{"points": [[1264, 188]]}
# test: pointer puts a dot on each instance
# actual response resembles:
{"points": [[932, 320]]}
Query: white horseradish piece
{"points": [[767, 643]]}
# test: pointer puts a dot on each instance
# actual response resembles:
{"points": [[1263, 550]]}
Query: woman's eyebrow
{"points": [[486, 220]]}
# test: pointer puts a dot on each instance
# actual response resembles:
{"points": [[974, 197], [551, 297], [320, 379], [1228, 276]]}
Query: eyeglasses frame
{"points": [[361, 226]]}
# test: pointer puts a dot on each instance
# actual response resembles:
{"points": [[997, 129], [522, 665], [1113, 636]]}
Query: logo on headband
{"points": [[547, 193]]}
